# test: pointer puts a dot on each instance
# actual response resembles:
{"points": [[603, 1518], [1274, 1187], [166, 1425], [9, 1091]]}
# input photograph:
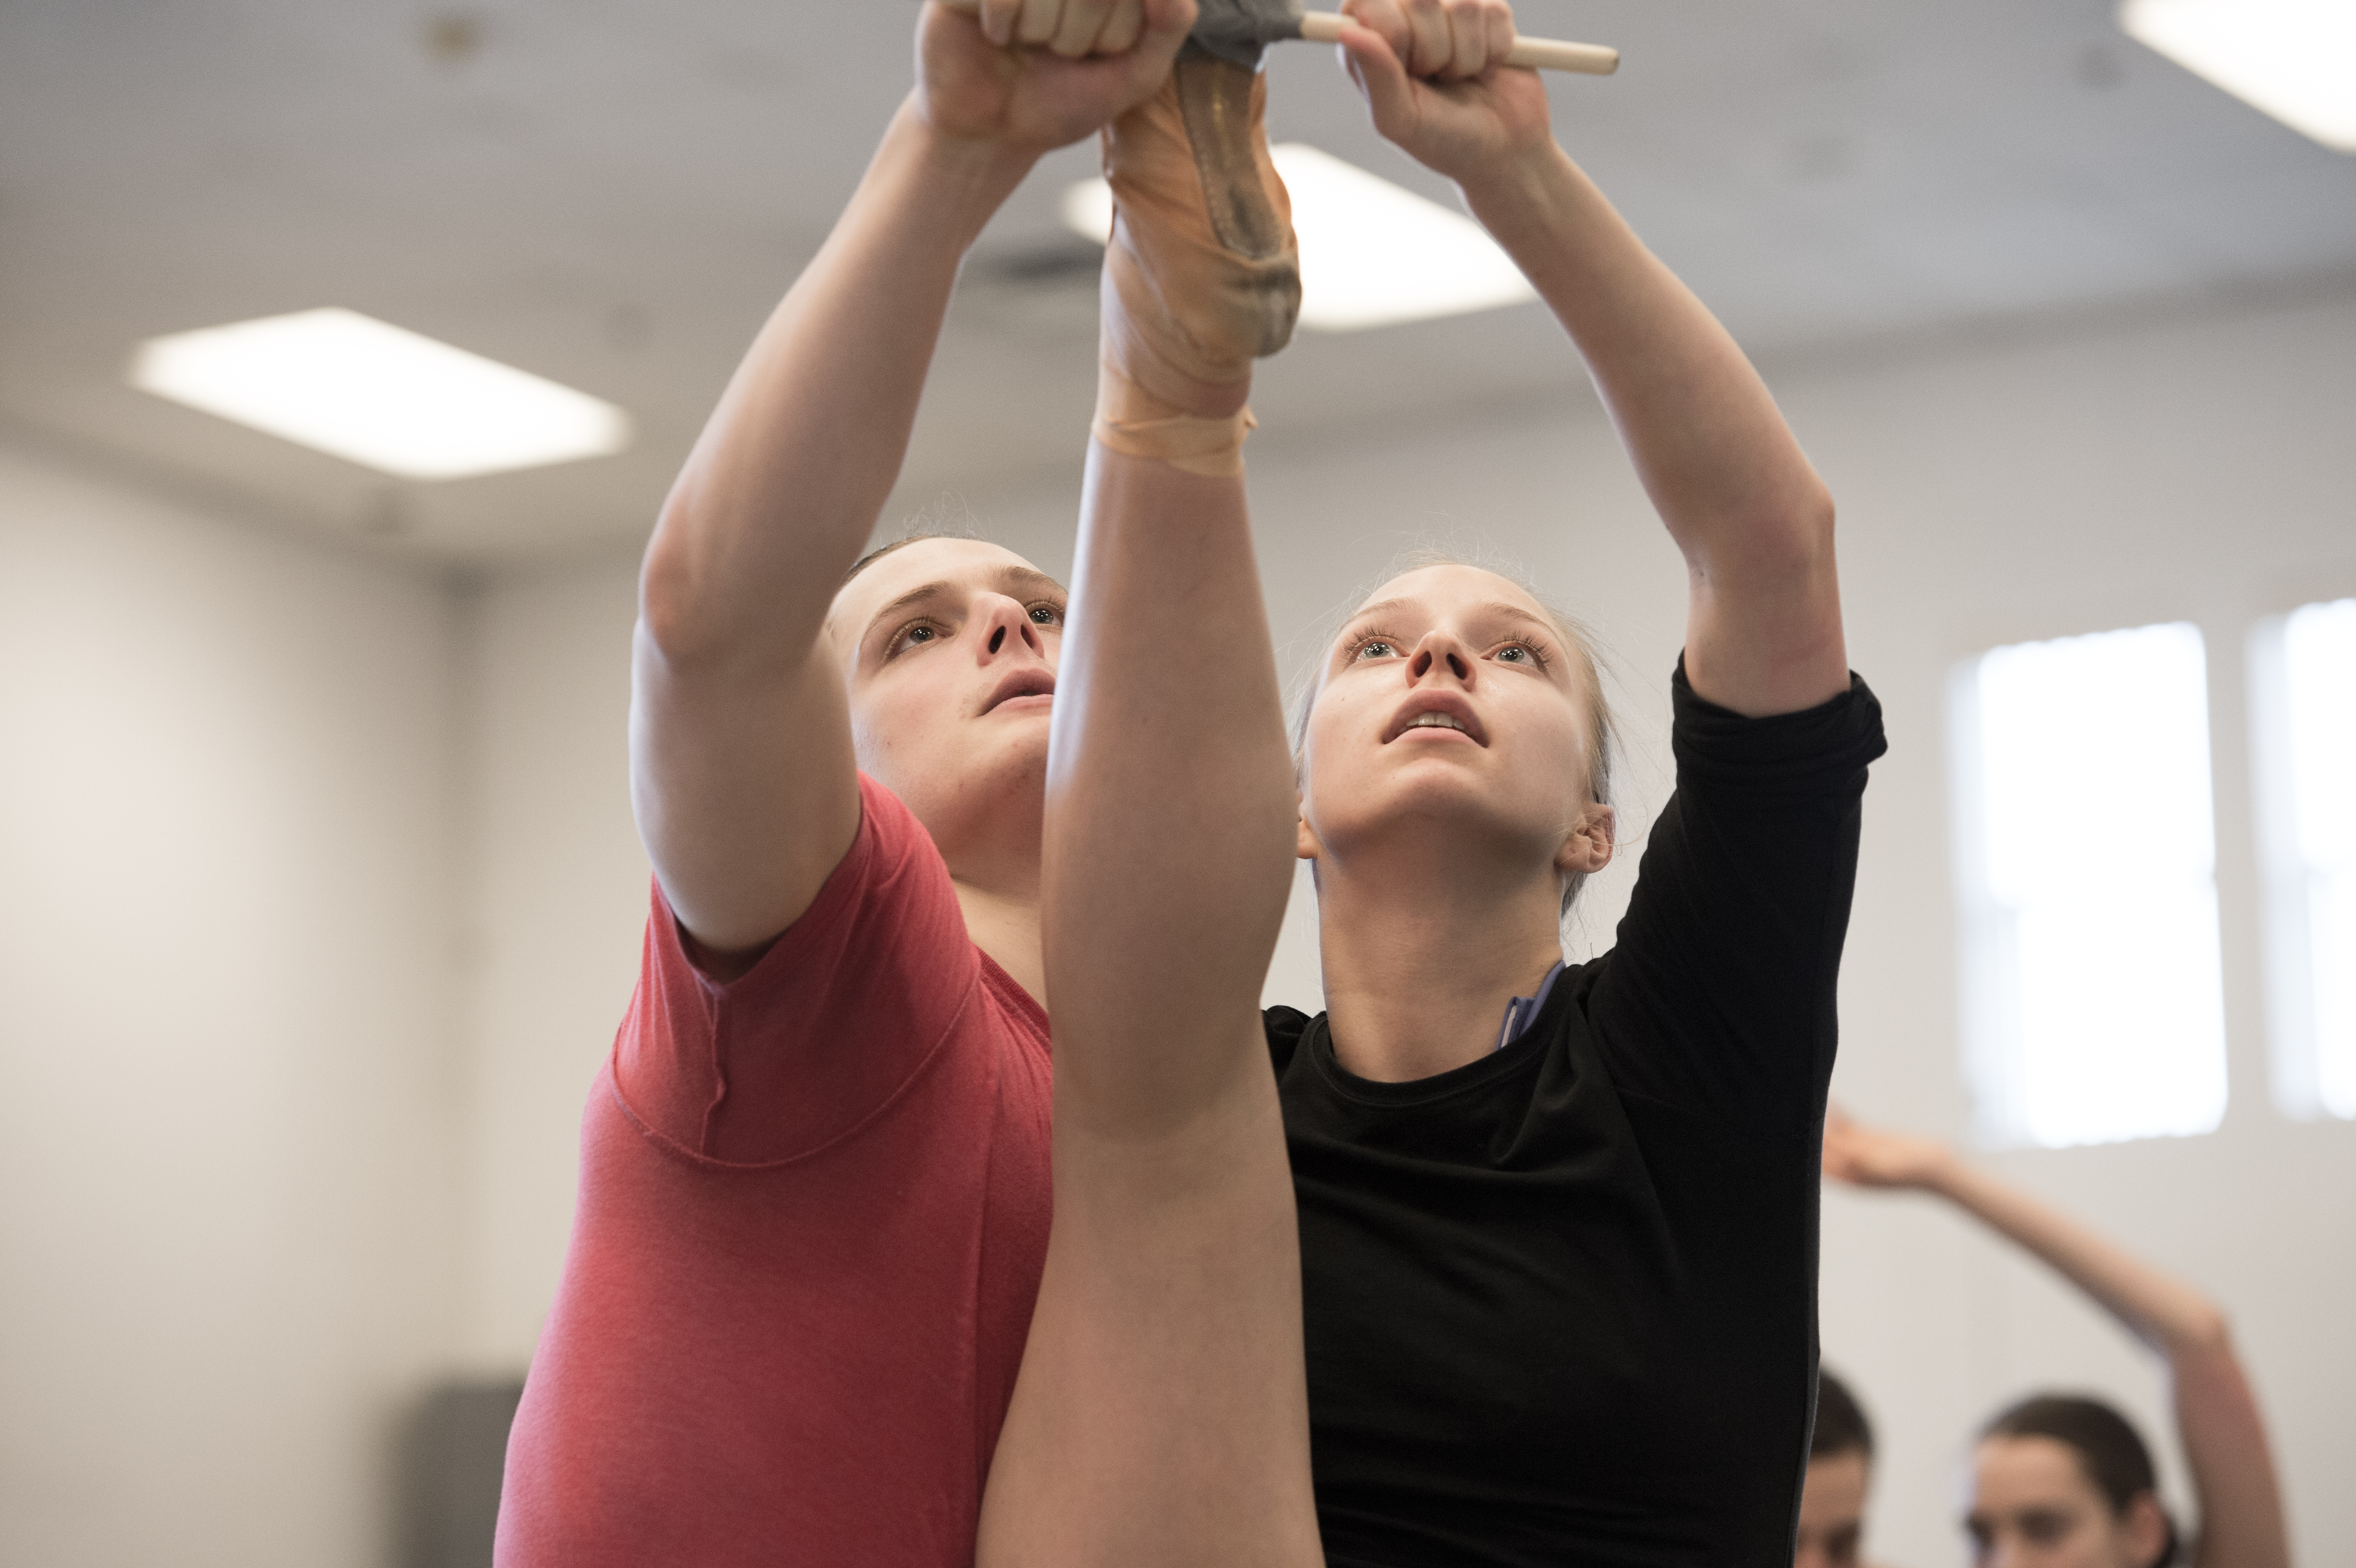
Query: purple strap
{"points": [[1523, 1011]]}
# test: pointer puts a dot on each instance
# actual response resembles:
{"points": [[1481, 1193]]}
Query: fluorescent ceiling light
{"points": [[2296, 59], [1371, 252], [378, 395]]}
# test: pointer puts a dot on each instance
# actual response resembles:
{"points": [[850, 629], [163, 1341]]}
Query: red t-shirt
{"points": [[813, 1210]]}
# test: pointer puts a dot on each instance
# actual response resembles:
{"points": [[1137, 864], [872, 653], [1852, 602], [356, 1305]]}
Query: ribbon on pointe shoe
{"points": [[1202, 273]]}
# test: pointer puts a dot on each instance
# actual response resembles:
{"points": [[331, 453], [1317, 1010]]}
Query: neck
{"points": [[991, 835], [1004, 924], [1419, 961]]}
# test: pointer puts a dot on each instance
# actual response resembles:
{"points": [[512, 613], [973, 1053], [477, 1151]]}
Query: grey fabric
{"points": [[453, 1455]]}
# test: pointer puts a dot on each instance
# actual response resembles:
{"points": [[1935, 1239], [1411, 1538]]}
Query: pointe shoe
{"points": [[1202, 272]]}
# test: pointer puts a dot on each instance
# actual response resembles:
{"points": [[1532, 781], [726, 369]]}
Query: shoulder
{"points": [[840, 1013], [1285, 1028], [890, 835]]}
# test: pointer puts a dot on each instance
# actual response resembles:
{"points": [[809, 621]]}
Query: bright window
{"points": [[2303, 695], [2086, 863]]}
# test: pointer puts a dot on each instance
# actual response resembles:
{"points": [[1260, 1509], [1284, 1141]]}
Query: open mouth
{"points": [[1443, 712], [1439, 722], [1022, 683]]}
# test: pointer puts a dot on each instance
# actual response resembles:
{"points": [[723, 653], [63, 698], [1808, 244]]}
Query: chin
{"points": [[1446, 802]]}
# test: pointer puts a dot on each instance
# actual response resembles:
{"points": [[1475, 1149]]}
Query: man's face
{"points": [[948, 651], [1832, 1510]]}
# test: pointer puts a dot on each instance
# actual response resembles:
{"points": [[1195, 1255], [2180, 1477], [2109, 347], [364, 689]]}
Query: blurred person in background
{"points": [[2063, 1481], [1840, 1475]]}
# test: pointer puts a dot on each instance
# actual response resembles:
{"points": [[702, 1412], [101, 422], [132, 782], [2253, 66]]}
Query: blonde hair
{"points": [[1603, 726]]}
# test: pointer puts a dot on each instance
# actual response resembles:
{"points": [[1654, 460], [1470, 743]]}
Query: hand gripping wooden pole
{"points": [[1537, 54], [1238, 29]]}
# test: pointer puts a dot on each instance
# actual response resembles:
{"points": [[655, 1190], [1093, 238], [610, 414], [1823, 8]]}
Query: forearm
{"points": [[2165, 1313], [2231, 1461], [785, 483], [1707, 441], [2217, 1414], [1169, 804], [1755, 524]]}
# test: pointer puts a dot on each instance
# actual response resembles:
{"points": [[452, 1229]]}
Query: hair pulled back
{"points": [[1841, 1426], [2109, 1450], [1578, 646]]}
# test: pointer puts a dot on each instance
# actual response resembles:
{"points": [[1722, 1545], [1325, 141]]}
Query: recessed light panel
{"points": [[379, 395], [2296, 59], [1372, 253]]}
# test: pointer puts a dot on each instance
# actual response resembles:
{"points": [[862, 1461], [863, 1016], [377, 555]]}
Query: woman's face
{"points": [[1448, 703], [2032, 1506]]}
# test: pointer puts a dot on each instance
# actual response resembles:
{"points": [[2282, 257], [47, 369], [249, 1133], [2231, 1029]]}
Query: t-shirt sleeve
{"points": [[833, 1023], [1719, 994]]}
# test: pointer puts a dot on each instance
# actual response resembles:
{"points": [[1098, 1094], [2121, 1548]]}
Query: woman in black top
{"points": [[1559, 1260]]}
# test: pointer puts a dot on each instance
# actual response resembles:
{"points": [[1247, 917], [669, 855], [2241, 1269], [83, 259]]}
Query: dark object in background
{"points": [[453, 1448]]}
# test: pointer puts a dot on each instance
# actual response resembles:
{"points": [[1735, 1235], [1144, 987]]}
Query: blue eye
{"points": [[1375, 647], [915, 634], [1515, 653]]}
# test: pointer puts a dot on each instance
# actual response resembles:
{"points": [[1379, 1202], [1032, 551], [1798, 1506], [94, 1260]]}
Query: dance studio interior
{"points": [[319, 872]]}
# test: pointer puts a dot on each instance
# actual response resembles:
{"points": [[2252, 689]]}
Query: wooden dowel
{"points": [[1539, 54]]}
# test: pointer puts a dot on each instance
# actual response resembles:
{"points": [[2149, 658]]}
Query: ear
{"points": [[1588, 847], [1304, 841], [2144, 1529]]}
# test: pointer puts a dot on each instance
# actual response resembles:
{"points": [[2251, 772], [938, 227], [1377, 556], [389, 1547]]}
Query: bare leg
{"points": [[1161, 1416]]}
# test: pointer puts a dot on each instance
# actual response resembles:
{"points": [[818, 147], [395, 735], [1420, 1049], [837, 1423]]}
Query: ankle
{"points": [[1131, 354]]}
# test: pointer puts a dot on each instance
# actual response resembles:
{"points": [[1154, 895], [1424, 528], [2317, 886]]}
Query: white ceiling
{"points": [[613, 192]]}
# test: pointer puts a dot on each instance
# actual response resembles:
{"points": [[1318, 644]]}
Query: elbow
{"points": [[2204, 1330], [667, 616], [1783, 543], [1801, 530], [677, 622]]}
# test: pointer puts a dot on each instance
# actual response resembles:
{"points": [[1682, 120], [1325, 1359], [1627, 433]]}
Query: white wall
{"points": [[225, 1089], [555, 906], [2067, 481]]}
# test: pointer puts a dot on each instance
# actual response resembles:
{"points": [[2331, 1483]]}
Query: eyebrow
{"points": [[1495, 606], [1022, 579]]}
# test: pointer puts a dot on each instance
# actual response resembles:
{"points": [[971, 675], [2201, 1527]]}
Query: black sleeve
{"points": [[1719, 997], [1284, 1028]]}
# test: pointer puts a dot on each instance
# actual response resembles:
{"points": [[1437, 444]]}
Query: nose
{"points": [[1004, 624], [1441, 654]]}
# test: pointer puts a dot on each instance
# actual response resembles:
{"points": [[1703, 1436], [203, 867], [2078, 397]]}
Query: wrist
{"points": [[969, 176], [1523, 185]]}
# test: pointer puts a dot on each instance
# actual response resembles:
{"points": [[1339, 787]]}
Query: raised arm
{"points": [[2217, 1417], [741, 769], [1754, 521]]}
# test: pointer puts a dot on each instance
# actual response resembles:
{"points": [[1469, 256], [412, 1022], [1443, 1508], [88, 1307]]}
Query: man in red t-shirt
{"points": [[814, 1197]]}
